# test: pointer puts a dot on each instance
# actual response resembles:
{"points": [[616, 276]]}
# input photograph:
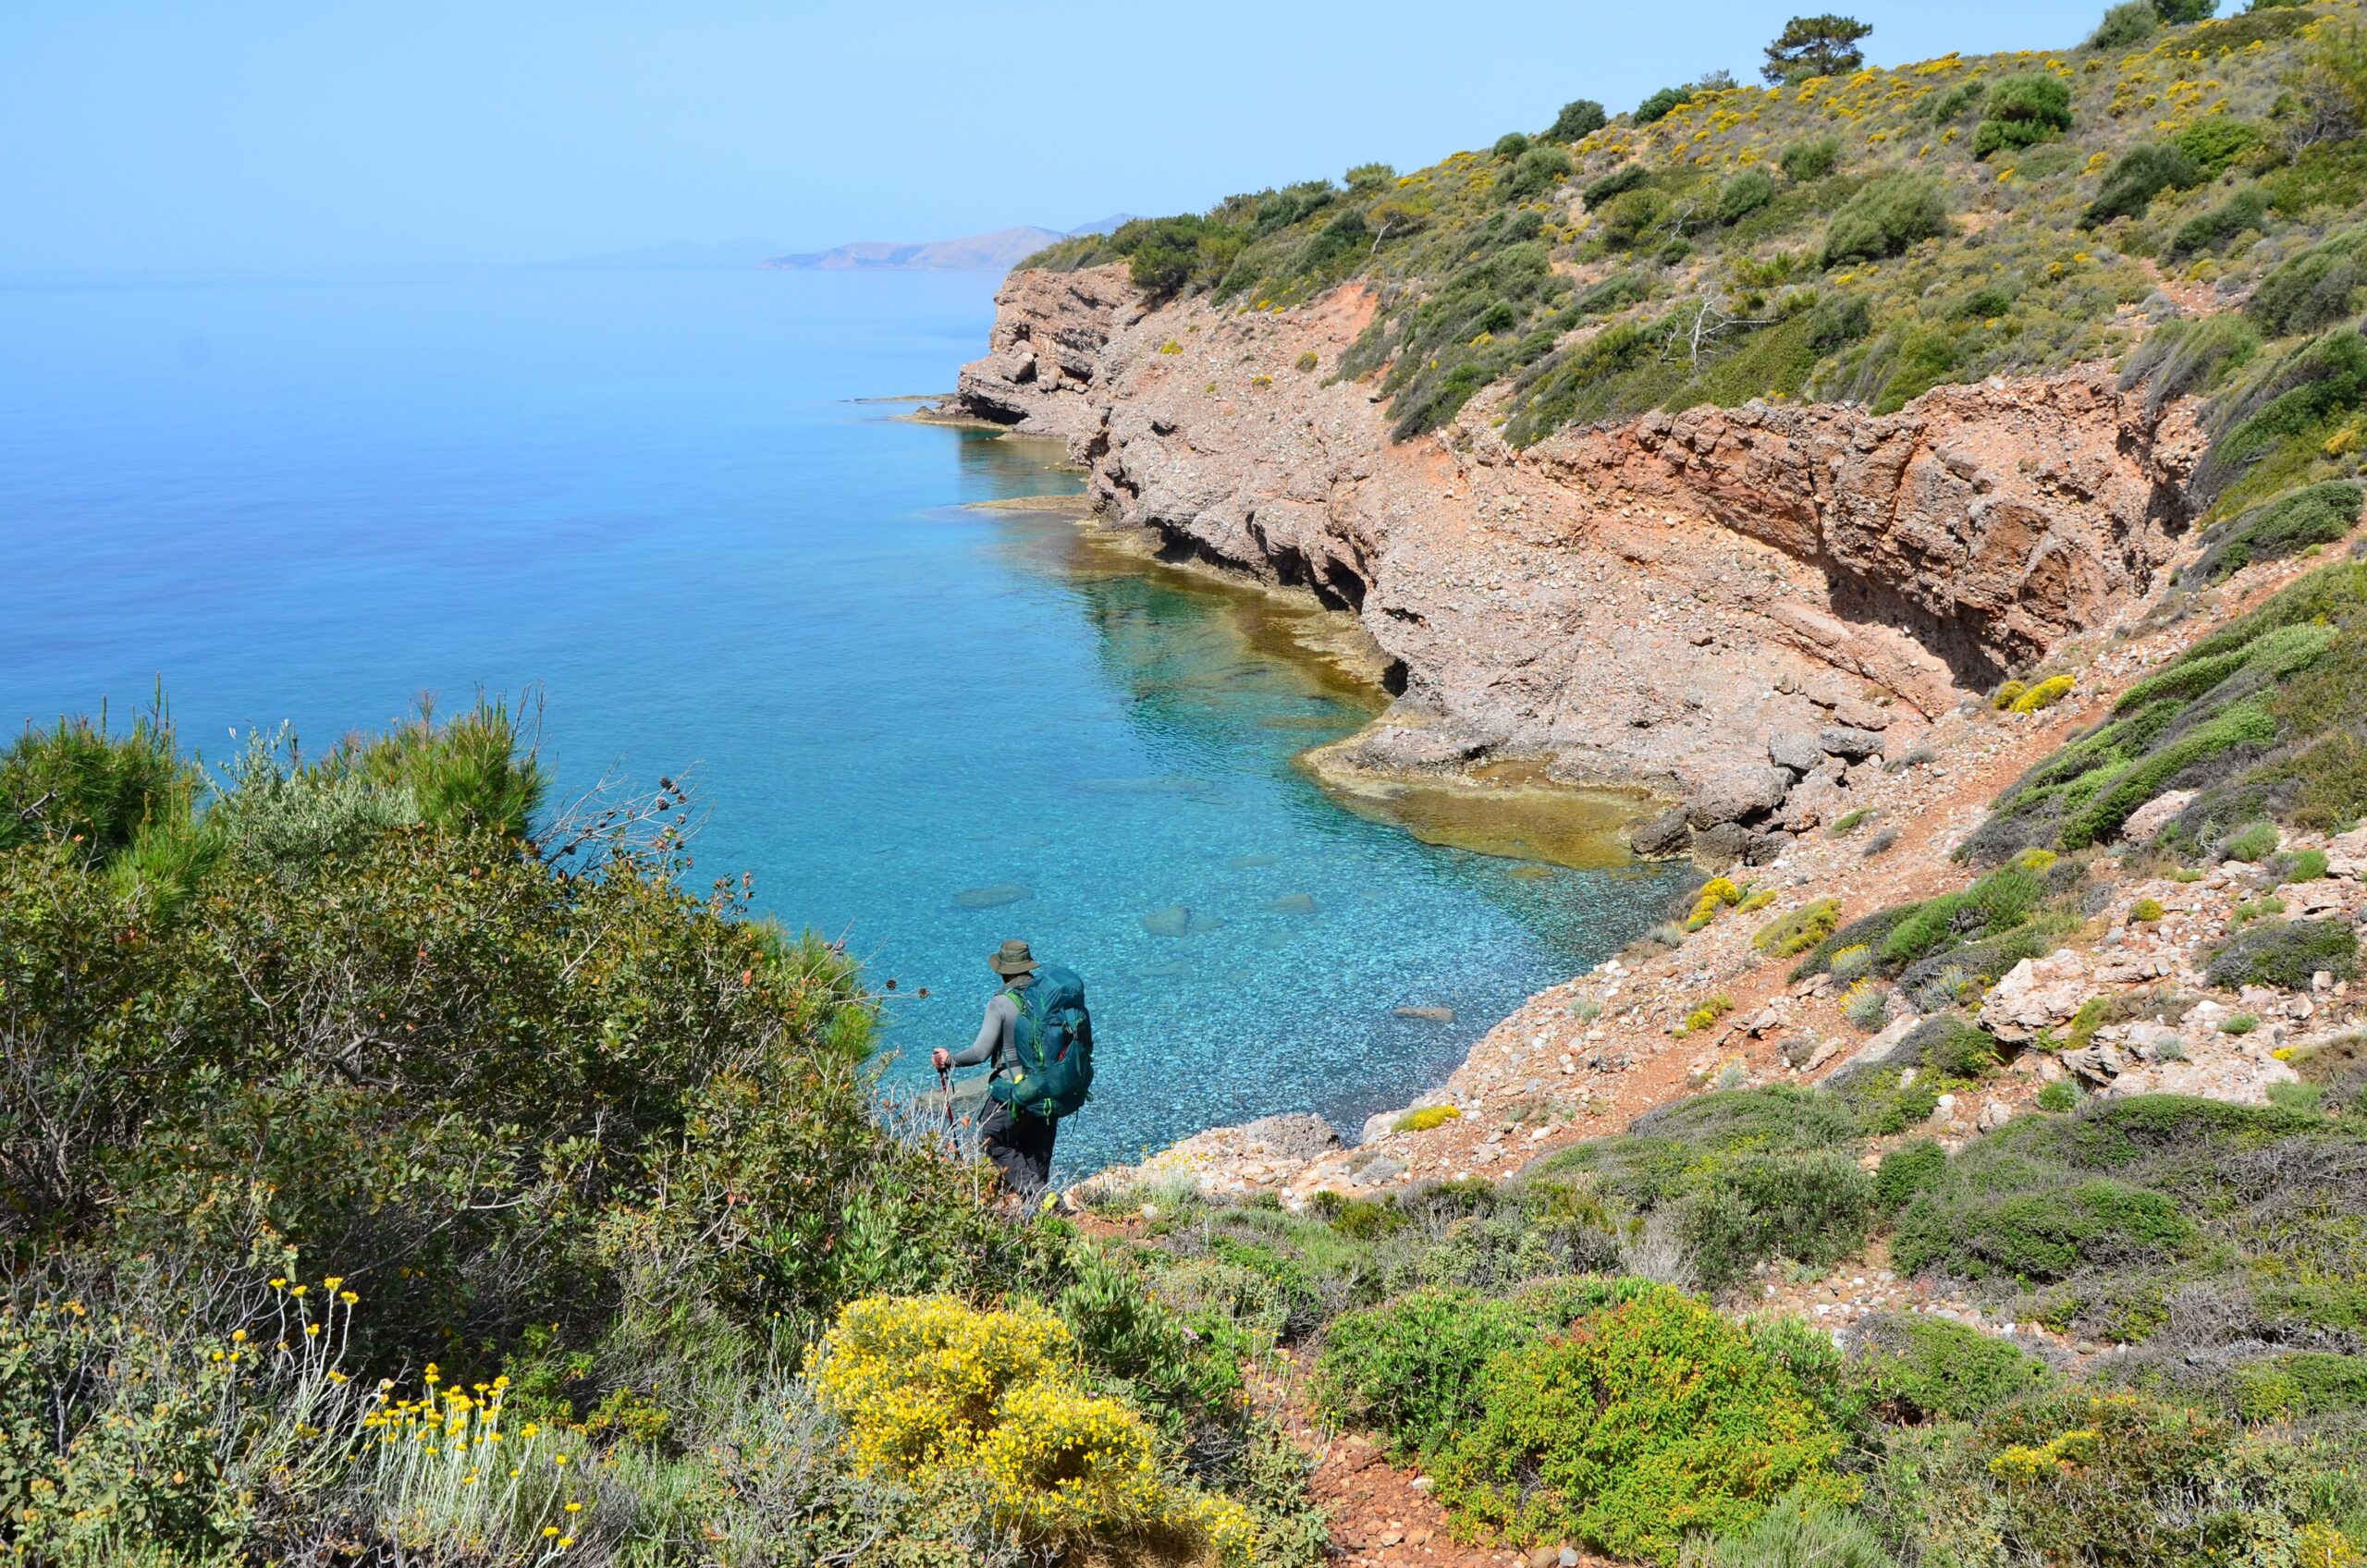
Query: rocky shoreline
{"points": [[1777, 623]]}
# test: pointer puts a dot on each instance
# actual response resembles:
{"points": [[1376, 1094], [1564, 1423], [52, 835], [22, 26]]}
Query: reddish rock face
{"points": [[1648, 601], [1045, 349]]}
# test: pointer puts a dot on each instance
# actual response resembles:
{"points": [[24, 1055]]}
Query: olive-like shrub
{"points": [[1650, 1420], [1882, 219], [2285, 953]]}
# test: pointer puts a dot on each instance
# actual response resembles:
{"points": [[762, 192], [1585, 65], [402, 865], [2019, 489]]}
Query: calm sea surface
{"points": [[661, 497]]}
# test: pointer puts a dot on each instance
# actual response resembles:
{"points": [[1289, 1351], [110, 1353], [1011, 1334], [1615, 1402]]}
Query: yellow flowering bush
{"points": [[929, 1384], [1717, 893], [918, 1380], [2045, 694], [1062, 1462]]}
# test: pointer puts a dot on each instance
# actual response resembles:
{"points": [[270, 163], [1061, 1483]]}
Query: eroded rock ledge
{"points": [[1739, 607]]}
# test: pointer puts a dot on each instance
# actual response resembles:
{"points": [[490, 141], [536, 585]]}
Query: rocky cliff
{"points": [[1742, 608]]}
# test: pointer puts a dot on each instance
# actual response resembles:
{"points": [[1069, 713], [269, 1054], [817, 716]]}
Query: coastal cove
{"points": [[921, 723]]}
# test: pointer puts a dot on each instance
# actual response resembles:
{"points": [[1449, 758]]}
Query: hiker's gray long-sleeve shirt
{"points": [[994, 1041]]}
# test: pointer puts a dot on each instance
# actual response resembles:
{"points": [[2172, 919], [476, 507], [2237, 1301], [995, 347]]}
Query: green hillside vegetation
{"points": [[1864, 237], [390, 1165], [320, 1073], [2264, 720], [1499, 1338]]}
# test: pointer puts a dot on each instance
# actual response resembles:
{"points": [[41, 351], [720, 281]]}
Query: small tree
{"points": [[2022, 111], [1580, 118], [2129, 23], [1658, 105], [1809, 46], [2178, 13]]}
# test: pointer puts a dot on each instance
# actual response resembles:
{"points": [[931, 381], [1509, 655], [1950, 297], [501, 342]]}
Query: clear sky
{"points": [[224, 133]]}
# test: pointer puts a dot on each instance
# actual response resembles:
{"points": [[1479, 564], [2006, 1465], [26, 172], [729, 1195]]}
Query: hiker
{"points": [[1039, 1039]]}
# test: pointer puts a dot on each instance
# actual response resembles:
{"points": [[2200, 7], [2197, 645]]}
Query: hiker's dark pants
{"points": [[1021, 1147]]}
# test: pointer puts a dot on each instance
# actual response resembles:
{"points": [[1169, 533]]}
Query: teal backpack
{"points": [[1054, 1040]]}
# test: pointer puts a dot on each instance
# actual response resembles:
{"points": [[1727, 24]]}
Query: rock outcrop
{"points": [[1045, 350], [1705, 603]]}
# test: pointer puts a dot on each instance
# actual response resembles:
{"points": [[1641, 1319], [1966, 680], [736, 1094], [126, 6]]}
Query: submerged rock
{"points": [[991, 897], [1427, 1015], [1292, 904]]}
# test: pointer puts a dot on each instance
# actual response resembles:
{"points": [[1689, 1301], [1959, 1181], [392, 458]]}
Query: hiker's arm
{"points": [[990, 1032]]}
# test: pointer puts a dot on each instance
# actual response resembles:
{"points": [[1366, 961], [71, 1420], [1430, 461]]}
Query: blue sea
{"points": [[670, 501]]}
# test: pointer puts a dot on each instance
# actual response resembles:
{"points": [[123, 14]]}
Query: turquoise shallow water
{"points": [[655, 494]]}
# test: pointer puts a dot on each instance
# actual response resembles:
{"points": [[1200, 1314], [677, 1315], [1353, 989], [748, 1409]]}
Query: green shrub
{"points": [[2307, 866], [2119, 795], [2322, 514], [2285, 953], [1743, 195], [477, 772], [1941, 107], [2184, 13], [2022, 111], [2125, 25], [2217, 143], [1166, 256], [1811, 1205], [1657, 106], [2139, 174], [1796, 932], [1928, 1368], [2255, 843], [2058, 1095], [1412, 1368], [78, 786], [1798, 1530], [2302, 1383], [1579, 118], [1651, 1419], [1538, 171], [1811, 159], [1907, 1171], [1618, 182], [2192, 355], [1848, 822], [2119, 1481], [2212, 229], [2144, 911], [2039, 1236], [1890, 214], [2315, 289]]}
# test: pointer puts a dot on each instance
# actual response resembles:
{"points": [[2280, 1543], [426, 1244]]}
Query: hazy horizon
{"points": [[273, 135]]}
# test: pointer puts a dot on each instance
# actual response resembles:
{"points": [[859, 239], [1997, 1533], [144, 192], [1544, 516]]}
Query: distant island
{"points": [[998, 251]]}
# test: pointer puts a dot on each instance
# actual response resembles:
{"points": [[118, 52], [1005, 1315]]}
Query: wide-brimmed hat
{"points": [[1012, 958]]}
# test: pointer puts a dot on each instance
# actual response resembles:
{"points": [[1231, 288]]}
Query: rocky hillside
{"points": [[1942, 485], [1731, 562]]}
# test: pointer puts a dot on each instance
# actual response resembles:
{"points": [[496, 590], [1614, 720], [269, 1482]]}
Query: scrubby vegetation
{"points": [[391, 1169], [2264, 720], [1866, 234], [1531, 1347], [391, 1172]]}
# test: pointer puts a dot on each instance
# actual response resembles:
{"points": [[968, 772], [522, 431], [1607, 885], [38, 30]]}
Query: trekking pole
{"points": [[944, 1087]]}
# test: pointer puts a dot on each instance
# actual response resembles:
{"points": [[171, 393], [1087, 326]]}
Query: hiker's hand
{"points": [[943, 1060]]}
